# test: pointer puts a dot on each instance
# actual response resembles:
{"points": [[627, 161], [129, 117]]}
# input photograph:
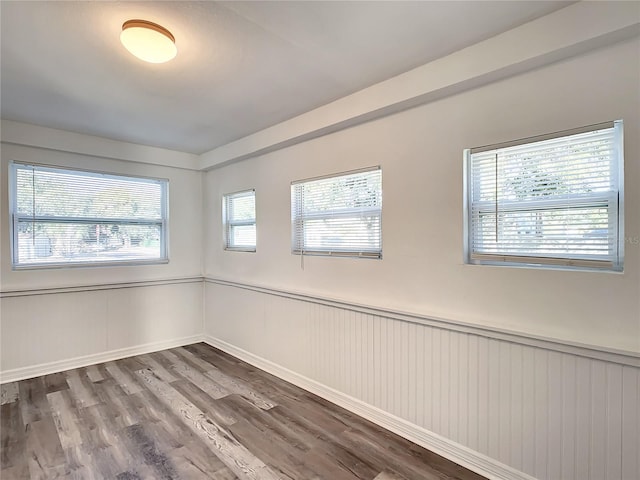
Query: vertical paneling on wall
{"points": [[45, 329], [551, 415]]}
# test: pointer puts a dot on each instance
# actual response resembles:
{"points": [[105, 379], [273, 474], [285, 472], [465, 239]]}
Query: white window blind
{"points": [[66, 217], [338, 215], [555, 200], [239, 218]]}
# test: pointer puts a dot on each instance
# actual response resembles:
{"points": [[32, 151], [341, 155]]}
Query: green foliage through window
{"points": [[550, 201], [62, 216]]}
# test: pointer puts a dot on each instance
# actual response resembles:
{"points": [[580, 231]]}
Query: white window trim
{"points": [[15, 218], [297, 221], [472, 258], [227, 223]]}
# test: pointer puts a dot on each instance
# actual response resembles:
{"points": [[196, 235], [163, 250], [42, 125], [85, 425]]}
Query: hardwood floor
{"points": [[195, 413]]}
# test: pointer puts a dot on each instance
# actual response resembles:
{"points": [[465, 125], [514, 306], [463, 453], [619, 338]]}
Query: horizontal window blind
{"points": [[63, 216], [554, 201], [338, 215], [240, 220]]}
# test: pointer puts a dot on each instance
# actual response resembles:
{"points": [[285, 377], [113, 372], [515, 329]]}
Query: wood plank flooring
{"points": [[194, 413]]}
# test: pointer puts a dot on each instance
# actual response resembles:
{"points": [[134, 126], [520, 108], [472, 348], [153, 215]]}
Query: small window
{"points": [[239, 217], [338, 215], [63, 217], [552, 200]]}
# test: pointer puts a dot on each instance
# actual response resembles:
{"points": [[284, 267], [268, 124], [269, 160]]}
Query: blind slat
{"points": [[239, 217], [338, 215], [64, 216], [552, 199]]}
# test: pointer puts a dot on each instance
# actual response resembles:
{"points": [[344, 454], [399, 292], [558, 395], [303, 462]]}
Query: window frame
{"points": [[295, 221], [15, 218], [503, 259], [228, 224]]}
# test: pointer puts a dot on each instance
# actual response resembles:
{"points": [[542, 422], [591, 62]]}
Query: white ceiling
{"points": [[241, 66]]}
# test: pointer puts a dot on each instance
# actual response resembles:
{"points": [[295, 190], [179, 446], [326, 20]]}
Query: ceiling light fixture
{"points": [[148, 41]]}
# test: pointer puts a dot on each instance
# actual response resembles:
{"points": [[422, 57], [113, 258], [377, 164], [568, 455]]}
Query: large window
{"points": [[338, 215], [552, 200], [239, 217], [69, 217]]}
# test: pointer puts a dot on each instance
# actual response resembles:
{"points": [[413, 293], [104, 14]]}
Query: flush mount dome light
{"points": [[148, 41]]}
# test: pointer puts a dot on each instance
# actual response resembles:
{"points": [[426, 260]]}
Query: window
{"points": [[338, 215], [239, 217], [69, 217], [552, 200]]}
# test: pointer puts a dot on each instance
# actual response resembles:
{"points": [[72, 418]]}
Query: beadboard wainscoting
{"points": [[503, 405], [50, 330]]}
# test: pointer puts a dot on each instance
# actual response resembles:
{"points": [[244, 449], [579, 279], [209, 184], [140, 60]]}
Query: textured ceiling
{"points": [[241, 66]]}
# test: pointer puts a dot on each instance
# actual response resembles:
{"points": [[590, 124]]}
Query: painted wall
{"points": [[420, 151], [185, 231], [97, 313], [509, 405], [492, 404], [44, 333], [571, 414]]}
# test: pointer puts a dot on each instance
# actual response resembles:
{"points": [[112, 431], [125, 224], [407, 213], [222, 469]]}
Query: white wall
{"points": [[95, 313], [420, 151], [467, 374], [450, 376], [52, 332], [497, 405], [185, 214]]}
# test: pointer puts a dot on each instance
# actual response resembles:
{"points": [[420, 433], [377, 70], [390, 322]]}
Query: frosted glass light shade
{"points": [[148, 41]]}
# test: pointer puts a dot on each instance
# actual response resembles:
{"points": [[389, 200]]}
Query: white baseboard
{"points": [[455, 452], [62, 365], [475, 461]]}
